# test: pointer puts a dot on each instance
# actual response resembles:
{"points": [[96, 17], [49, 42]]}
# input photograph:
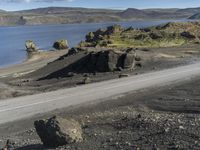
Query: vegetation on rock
{"points": [[30, 46], [61, 44], [170, 34]]}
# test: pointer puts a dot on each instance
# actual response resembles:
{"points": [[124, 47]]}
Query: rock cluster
{"points": [[102, 34], [58, 131], [61, 44], [168, 35]]}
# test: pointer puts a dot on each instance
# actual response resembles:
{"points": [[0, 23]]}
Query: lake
{"points": [[12, 39]]}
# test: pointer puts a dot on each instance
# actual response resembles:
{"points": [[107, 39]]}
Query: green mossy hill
{"points": [[167, 35]]}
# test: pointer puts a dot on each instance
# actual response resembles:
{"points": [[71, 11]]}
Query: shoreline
{"points": [[114, 22], [30, 64]]}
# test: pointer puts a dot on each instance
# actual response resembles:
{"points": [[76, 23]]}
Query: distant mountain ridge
{"points": [[133, 13], [195, 16], [66, 15], [189, 10]]}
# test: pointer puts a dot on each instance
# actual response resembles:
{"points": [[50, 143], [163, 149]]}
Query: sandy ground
{"points": [[30, 65]]}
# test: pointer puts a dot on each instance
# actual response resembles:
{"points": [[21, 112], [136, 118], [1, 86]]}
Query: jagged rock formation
{"points": [[58, 131], [90, 61], [31, 46], [110, 60]]}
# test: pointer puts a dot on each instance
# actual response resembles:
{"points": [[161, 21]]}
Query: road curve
{"points": [[27, 106]]}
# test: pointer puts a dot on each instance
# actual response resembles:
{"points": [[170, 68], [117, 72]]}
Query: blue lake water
{"points": [[12, 39]]}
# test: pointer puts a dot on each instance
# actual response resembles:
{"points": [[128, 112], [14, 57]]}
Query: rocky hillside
{"points": [[171, 34], [195, 16], [64, 15], [88, 60], [57, 15], [132, 14]]}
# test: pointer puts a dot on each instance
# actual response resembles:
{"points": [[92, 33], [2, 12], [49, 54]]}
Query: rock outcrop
{"points": [[92, 61], [58, 131], [61, 44], [31, 46], [114, 29], [110, 60], [167, 35]]}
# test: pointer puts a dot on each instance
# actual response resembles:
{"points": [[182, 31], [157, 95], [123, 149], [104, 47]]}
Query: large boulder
{"points": [[58, 131], [110, 60], [30, 46], [61, 44]]}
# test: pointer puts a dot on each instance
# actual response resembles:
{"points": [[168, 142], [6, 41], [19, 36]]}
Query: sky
{"points": [[13, 5]]}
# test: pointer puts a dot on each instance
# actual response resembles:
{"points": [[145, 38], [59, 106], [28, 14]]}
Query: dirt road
{"points": [[27, 106]]}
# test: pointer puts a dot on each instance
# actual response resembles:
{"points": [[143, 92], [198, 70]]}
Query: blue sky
{"points": [[117, 4]]}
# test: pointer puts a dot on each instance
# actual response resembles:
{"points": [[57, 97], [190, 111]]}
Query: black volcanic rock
{"points": [[58, 131], [107, 60]]}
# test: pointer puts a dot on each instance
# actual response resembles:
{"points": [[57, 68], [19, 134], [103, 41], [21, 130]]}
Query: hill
{"points": [[2, 10], [195, 16], [133, 13], [66, 15], [168, 35], [189, 10]]}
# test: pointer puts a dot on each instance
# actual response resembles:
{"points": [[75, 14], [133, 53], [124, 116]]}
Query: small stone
{"points": [[86, 80], [139, 116], [123, 75], [166, 130]]}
